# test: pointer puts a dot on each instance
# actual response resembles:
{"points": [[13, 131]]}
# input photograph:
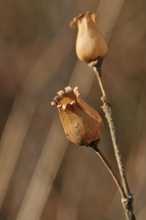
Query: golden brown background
{"points": [[42, 176]]}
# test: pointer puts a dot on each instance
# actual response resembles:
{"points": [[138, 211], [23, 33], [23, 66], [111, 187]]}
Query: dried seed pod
{"points": [[90, 44], [82, 124]]}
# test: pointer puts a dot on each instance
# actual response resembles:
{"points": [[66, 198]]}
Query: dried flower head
{"points": [[82, 124], [90, 44]]}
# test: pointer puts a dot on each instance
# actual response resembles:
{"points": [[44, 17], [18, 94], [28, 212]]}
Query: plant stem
{"points": [[127, 202], [109, 168]]}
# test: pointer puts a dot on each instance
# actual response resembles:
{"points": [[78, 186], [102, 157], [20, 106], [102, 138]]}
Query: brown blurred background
{"points": [[42, 175]]}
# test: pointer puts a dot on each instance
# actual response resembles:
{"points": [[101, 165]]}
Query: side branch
{"points": [[109, 168]]}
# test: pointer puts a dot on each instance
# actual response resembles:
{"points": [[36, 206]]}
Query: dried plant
{"points": [[82, 124]]}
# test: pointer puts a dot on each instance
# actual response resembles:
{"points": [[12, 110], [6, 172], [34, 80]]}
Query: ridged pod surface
{"points": [[82, 124]]}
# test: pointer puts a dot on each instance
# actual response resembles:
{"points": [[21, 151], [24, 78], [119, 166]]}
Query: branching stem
{"points": [[127, 201]]}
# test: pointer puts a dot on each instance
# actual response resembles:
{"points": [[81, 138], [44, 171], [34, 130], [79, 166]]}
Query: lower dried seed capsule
{"points": [[82, 124]]}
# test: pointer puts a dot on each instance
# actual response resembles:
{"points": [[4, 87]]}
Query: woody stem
{"points": [[127, 201]]}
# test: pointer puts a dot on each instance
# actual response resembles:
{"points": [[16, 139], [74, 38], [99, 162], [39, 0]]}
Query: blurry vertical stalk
{"points": [[127, 199], [13, 138]]}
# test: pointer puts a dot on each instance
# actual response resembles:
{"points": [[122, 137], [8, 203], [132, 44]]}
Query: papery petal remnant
{"points": [[82, 124]]}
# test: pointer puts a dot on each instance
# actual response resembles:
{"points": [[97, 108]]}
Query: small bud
{"points": [[90, 44], [82, 124]]}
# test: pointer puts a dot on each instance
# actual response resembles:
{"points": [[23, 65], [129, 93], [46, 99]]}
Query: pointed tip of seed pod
{"points": [[75, 20], [72, 24], [71, 103], [59, 106], [53, 103], [60, 93], [68, 89], [93, 17], [88, 13], [57, 98], [64, 106], [66, 97], [76, 92]]}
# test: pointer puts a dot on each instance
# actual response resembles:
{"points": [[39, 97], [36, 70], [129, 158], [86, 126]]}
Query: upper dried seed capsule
{"points": [[90, 44]]}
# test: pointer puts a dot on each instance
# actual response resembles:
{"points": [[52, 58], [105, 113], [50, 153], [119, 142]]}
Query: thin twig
{"points": [[127, 202], [109, 168], [107, 110]]}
